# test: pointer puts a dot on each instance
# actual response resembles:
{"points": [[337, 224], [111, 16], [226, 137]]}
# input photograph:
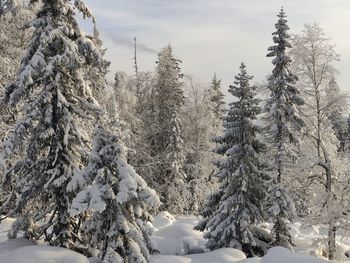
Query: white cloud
{"points": [[214, 35]]}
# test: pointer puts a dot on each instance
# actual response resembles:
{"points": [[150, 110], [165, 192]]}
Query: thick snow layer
{"points": [[280, 254], [220, 255], [170, 259], [175, 236], [223, 255], [163, 219], [7, 248], [4, 226], [45, 254], [179, 243], [22, 250]]}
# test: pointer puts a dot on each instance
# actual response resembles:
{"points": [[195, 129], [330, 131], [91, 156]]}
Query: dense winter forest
{"points": [[86, 163]]}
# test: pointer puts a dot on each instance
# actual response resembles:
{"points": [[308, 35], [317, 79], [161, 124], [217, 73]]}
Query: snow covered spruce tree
{"points": [[217, 101], [54, 101], [116, 202], [232, 214], [167, 135], [13, 41], [133, 105], [282, 124]]}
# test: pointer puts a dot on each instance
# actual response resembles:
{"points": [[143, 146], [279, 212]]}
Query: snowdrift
{"points": [[177, 243], [280, 254], [21, 250]]}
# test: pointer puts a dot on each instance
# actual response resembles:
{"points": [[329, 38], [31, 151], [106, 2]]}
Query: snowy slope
{"points": [[44, 254], [21, 250], [176, 236], [175, 239]]}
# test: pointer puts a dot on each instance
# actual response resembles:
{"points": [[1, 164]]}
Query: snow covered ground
{"points": [[177, 243]]}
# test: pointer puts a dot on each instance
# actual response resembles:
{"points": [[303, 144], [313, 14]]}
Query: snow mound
{"points": [[44, 254], [163, 219], [178, 230], [170, 259], [280, 254], [250, 260], [170, 246], [5, 225], [230, 255], [177, 243], [8, 247], [223, 255], [175, 236]]}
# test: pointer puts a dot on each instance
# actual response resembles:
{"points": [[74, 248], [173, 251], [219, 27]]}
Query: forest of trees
{"points": [[85, 162]]}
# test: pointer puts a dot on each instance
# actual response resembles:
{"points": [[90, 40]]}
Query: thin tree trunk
{"points": [[332, 228], [331, 241], [278, 230]]}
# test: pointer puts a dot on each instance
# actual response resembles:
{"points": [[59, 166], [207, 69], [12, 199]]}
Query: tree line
{"points": [[85, 163]]}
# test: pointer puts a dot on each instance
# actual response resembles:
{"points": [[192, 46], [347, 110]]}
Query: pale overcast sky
{"points": [[214, 35]]}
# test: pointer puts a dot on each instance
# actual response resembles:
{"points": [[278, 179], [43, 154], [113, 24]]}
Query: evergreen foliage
{"points": [[232, 214], [116, 202], [217, 98], [54, 101], [282, 124], [167, 134]]}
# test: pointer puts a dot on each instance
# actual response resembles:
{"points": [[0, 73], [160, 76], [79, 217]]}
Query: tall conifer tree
{"points": [[232, 214], [116, 202], [167, 134], [283, 123], [54, 101], [217, 98]]}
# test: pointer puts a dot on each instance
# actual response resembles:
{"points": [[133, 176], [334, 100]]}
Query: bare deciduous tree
{"points": [[314, 58]]}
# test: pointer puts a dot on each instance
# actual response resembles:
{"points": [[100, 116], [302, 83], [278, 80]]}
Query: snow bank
{"points": [[28, 253], [175, 236], [22, 250], [44, 254], [177, 230], [280, 254], [177, 243], [5, 225], [8, 247], [223, 255], [163, 219], [170, 259], [230, 255]]}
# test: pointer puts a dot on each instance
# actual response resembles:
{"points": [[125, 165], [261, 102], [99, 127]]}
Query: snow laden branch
{"points": [[54, 101]]}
